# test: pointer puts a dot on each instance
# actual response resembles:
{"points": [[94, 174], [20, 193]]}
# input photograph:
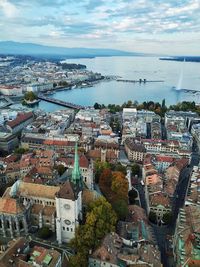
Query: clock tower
{"points": [[69, 204]]}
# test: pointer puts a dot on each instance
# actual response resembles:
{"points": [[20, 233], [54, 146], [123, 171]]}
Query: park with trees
{"points": [[158, 108]]}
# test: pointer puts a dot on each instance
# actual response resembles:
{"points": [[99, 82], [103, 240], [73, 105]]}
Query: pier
{"points": [[139, 81], [60, 102]]}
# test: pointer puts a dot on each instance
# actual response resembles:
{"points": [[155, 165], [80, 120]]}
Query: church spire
{"points": [[76, 174]]}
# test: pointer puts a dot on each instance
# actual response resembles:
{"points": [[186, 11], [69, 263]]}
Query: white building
{"points": [[10, 90], [39, 87], [129, 114], [69, 205]]}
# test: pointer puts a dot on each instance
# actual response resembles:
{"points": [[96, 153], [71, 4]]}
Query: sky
{"points": [[152, 26]]}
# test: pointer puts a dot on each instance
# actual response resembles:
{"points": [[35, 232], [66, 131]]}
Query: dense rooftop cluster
{"points": [[55, 167]]}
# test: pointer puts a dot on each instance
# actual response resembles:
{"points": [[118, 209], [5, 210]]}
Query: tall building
{"points": [[69, 204]]}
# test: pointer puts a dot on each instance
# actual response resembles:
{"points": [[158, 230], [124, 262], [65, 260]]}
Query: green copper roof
{"points": [[76, 174]]}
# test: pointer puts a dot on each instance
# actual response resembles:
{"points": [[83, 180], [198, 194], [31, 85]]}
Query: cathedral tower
{"points": [[69, 204]]}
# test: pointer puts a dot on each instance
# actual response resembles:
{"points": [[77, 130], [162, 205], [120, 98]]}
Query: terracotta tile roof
{"points": [[67, 192], [21, 117], [165, 159], [58, 143], [38, 190], [106, 144], [46, 211], [10, 158], [96, 154], [159, 199], [109, 249], [44, 153], [137, 213], [44, 170], [10, 206], [69, 161], [181, 163], [13, 166], [9, 254]]}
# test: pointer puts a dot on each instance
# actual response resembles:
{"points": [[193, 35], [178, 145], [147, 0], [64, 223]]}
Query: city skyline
{"points": [[142, 26]]}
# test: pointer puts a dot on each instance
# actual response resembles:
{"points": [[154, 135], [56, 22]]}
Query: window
{"points": [[63, 228], [67, 228]]}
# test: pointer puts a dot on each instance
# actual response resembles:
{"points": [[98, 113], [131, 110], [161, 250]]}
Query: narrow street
{"points": [[161, 233]]}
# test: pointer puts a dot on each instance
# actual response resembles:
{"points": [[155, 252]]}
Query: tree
{"points": [[30, 96], [20, 150], [132, 195], [61, 169], [99, 167], [100, 220], [135, 169], [121, 208], [106, 177], [44, 232], [120, 185], [118, 167], [97, 106]]}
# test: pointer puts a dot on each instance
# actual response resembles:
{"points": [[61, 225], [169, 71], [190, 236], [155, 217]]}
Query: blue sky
{"points": [[154, 26]]}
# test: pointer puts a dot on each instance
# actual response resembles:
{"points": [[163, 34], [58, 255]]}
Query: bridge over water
{"points": [[60, 102]]}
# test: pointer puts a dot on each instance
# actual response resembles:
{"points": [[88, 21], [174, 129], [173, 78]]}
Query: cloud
{"points": [[9, 9], [111, 21]]}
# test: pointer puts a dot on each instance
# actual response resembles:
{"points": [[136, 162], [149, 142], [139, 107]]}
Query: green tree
{"points": [[97, 106], [118, 167], [30, 96], [99, 167], [44, 232], [100, 220], [121, 208], [20, 150], [61, 169]]}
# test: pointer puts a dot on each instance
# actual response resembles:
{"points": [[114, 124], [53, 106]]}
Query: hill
{"points": [[16, 48]]}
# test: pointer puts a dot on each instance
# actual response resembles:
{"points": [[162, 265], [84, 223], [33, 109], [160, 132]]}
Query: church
{"points": [[58, 207]]}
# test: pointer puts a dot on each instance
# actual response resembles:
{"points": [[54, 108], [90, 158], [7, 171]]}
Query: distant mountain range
{"points": [[16, 48]]}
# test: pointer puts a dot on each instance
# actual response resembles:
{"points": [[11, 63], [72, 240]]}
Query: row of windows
{"points": [[37, 201], [67, 229]]}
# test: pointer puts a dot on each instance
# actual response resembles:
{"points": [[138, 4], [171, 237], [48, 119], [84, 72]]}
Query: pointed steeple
{"points": [[76, 174]]}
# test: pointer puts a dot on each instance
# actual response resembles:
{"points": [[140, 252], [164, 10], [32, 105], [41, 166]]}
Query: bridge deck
{"points": [[60, 102]]}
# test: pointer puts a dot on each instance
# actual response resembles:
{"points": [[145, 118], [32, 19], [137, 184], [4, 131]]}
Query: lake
{"points": [[186, 74]]}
